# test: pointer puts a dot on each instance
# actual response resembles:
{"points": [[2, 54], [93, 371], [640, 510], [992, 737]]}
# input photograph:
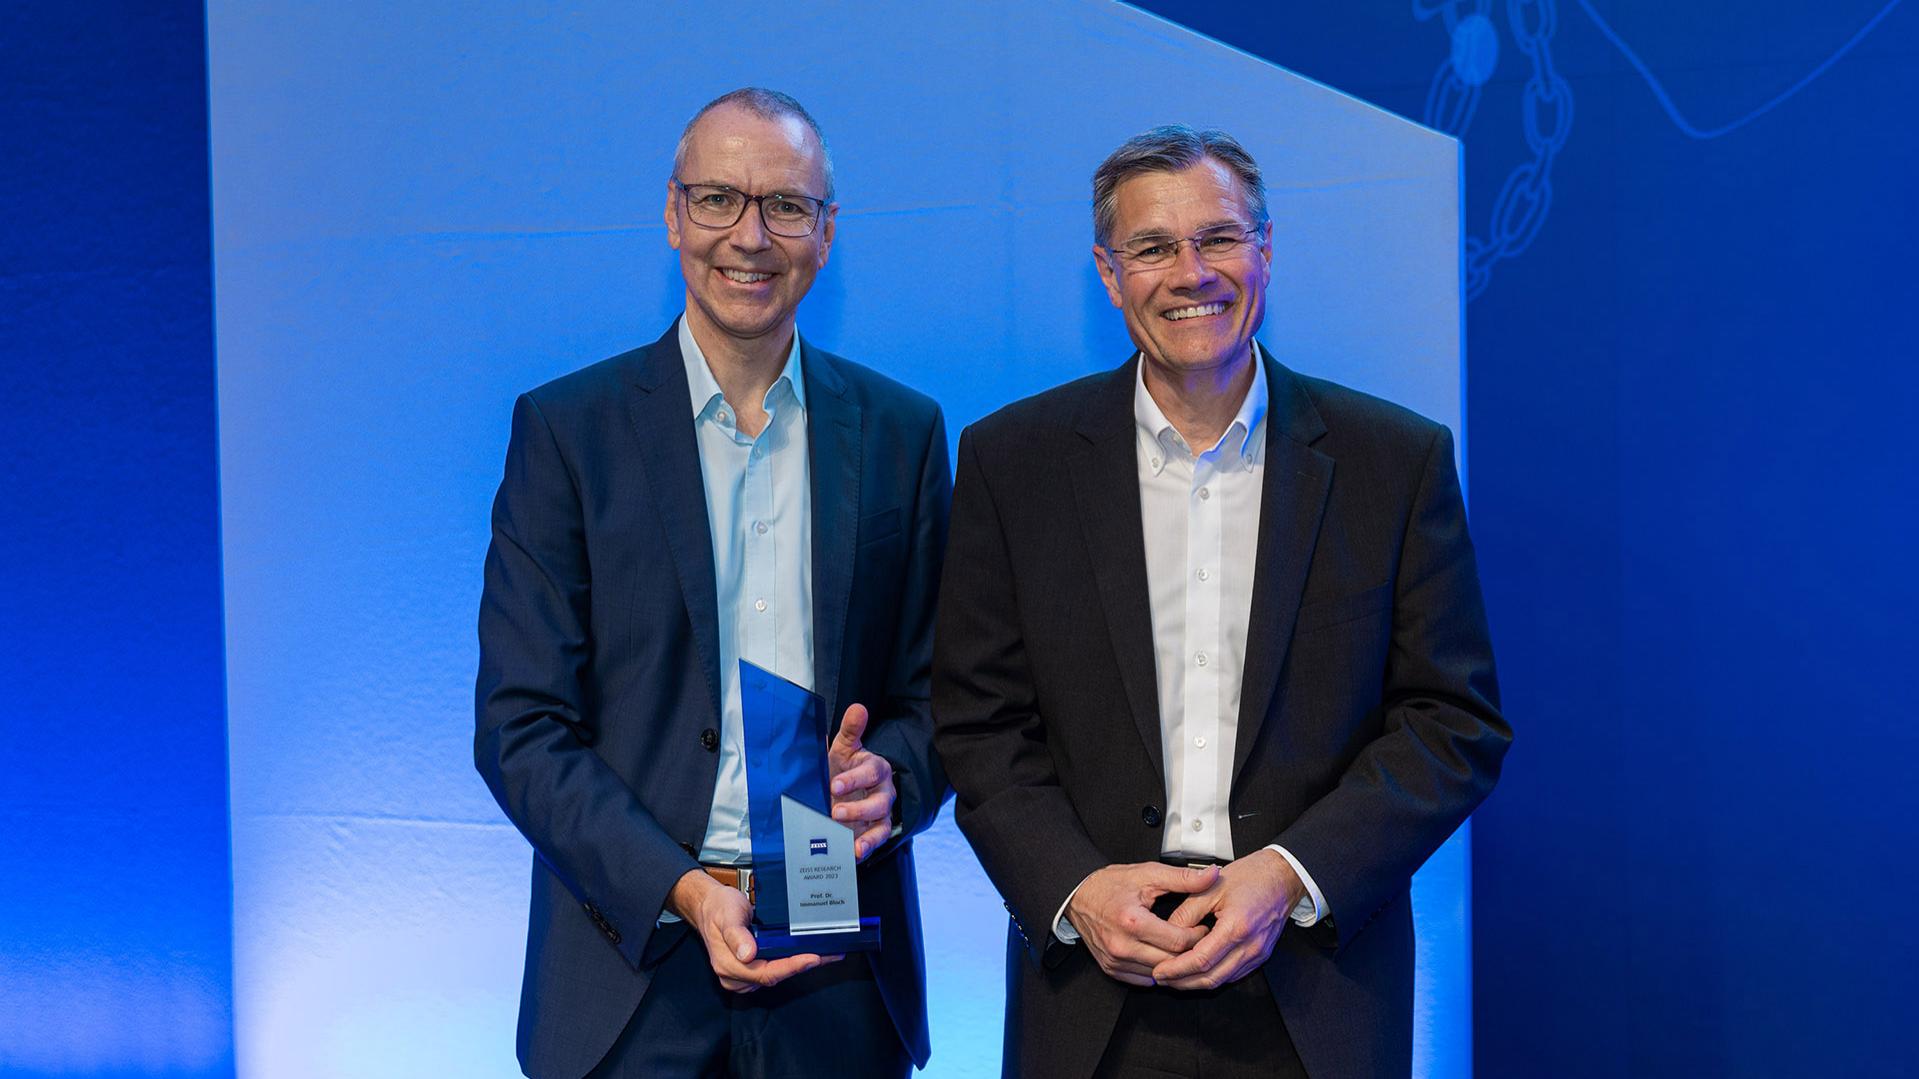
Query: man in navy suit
{"points": [[728, 492]]}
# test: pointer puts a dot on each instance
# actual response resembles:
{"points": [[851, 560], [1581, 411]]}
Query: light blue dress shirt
{"points": [[759, 509]]}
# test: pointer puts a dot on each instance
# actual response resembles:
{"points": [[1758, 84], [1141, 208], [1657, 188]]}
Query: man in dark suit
{"points": [[728, 492], [1211, 659]]}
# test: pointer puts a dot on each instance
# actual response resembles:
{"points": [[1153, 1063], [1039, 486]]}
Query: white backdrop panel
{"points": [[421, 210]]}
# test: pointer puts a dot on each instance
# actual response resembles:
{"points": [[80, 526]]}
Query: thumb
{"points": [[740, 943], [1185, 878], [852, 729]]}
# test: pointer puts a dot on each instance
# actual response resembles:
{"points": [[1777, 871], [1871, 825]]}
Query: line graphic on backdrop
{"points": [[1524, 200], [1527, 195], [1672, 110]]}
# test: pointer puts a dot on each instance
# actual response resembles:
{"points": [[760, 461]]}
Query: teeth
{"points": [[745, 278], [1196, 311]]}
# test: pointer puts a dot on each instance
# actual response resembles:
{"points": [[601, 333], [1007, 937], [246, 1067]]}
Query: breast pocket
{"points": [[1339, 610]]}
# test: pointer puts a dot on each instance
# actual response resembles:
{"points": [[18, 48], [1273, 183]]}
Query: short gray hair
{"points": [[1170, 148], [767, 105]]}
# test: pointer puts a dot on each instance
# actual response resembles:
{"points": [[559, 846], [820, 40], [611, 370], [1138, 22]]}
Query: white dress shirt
{"points": [[1200, 517], [759, 509]]}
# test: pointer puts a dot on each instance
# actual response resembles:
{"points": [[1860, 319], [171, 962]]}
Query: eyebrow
{"points": [[743, 191], [1162, 234]]}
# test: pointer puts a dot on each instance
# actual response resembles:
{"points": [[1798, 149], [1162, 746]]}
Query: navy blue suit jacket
{"points": [[599, 676]]}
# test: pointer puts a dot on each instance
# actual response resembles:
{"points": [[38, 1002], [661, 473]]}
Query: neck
{"points": [[745, 369], [1200, 403]]}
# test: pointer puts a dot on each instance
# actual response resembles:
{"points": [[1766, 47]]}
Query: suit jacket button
{"points": [[1150, 815], [710, 738]]}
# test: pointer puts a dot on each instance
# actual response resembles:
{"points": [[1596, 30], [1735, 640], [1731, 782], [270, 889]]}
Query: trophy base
{"points": [[778, 942]]}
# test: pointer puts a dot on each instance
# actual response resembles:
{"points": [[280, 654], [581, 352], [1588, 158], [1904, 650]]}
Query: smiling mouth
{"points": [[1198, 310], [744, 277]]}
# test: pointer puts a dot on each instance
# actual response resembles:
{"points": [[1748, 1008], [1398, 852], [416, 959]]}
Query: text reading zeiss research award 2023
{"points": [[806, 894]]}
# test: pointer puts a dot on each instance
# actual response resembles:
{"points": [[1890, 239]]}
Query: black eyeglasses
{"points": [[716, 206], [1214, 245]]}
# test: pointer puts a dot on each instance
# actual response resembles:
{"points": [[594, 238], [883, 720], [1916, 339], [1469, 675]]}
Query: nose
{"points": [[749, 232], [1189, 270]]}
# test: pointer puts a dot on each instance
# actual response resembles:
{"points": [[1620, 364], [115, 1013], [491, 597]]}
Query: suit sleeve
{"points": [[532, 738], [905, 735], [1443, 736], [1009, 801]]}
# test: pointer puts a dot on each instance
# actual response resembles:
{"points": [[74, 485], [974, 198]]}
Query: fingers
{"points": [[875, 806], [1192, 911], [852, 731], [766, 973], [869, 840], [863, 770], [1235, 964], [1166, 937], [1198, 960]]}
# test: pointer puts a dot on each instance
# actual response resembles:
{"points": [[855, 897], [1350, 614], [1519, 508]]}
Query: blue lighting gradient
{"points": [[1694, 500], [420, 211], [115, 952]]}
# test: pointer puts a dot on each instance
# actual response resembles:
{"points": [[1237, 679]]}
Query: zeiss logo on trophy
{"points": [[816, 847]]}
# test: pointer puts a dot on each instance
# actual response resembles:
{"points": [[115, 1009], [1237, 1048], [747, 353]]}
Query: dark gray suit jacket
{"points": [[598, 694], [1369, 724]]}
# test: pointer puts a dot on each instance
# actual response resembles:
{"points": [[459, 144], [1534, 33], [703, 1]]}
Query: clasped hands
{"points": [[863, 792], [1249, 901]]}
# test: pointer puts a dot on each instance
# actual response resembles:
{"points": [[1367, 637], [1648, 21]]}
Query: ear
{"points": [[826, 231], [672, 216], [1108, 275], [1266, 242]]}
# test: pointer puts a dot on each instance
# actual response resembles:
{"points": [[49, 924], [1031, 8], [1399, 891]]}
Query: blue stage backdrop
{"points": [[1691, 390], [420, 211], [114, 903]]}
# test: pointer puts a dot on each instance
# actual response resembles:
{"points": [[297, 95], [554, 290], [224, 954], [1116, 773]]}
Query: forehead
{"points": [[1203, 194], [733, 145]]}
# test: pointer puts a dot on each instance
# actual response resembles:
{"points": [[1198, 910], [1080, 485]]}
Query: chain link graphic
{"points": [[1547, 110]]}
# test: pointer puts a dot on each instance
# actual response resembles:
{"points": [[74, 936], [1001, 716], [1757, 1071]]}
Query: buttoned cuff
{"points": [[1311, 907]]}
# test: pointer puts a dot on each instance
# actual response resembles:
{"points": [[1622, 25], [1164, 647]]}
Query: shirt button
{"points": [[1199, 825], [760, 527], [1204, 576], [721, 416], [1155, 462], [1200, 742], [1200, 659], [1205, 493], [759, 605]]}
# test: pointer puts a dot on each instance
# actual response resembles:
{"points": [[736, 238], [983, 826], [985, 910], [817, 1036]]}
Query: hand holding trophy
{"points": [[805, 883]]}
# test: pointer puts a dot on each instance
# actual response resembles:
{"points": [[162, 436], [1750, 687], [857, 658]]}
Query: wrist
{"points": [[1291, 888], [688, 891]]}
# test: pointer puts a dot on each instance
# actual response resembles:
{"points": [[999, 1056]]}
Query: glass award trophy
{"points": [[805, 880]]}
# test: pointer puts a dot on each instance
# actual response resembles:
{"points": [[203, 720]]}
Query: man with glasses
{"points": [[1211, 674], [728, 492]]}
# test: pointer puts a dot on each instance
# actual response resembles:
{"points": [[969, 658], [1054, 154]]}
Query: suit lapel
{"points": [[1106, 490], [661, 409], [833, 430], [1292, 504]]}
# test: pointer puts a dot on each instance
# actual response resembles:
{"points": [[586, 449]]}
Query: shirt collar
{"points": [[705, 389], [1159, 433]]}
